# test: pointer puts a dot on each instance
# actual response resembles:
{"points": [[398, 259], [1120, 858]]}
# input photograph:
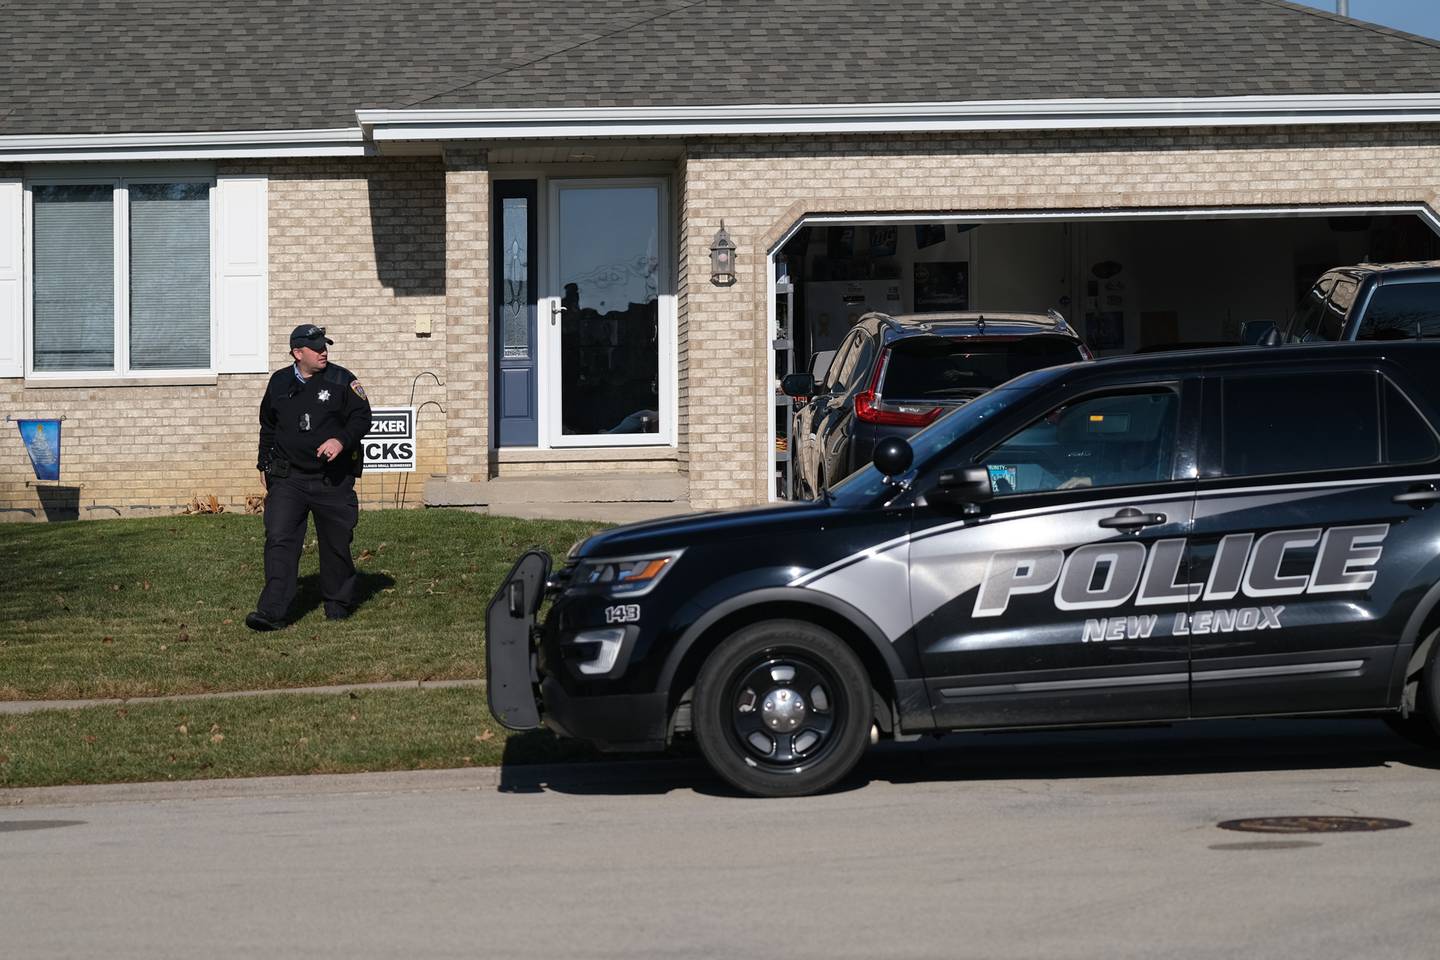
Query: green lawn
{"points": [[132, 608]]}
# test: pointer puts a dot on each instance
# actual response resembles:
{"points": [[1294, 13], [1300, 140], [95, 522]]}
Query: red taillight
{"points": [[870, 410]]}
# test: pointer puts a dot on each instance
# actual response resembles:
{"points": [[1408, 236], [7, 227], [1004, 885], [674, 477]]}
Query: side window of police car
{"points": [[1105, 440], [1341, 428]]}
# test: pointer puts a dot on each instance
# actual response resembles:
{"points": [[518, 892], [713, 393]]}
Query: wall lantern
{"points": [[722, 259]]}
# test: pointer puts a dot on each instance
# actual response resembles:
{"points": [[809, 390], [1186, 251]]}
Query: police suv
{"points": [[1228, 533]]}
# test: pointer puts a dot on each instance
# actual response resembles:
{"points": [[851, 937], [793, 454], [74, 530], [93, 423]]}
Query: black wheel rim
{"points": [[784, 711]]}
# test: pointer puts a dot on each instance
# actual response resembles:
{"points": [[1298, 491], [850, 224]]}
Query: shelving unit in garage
{"points": [[784, 347]]}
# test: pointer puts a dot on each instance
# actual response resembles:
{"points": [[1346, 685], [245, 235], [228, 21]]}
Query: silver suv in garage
{"points": [[894, 375]]}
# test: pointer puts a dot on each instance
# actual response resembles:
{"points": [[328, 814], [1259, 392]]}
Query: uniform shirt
{"points": [[335, 405]]}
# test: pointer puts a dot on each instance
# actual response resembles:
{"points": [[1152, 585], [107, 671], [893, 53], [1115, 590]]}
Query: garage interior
{"points": [[1126, 284]]}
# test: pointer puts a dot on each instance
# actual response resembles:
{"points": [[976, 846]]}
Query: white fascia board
{"points": [[993, 115], [342, 142]]}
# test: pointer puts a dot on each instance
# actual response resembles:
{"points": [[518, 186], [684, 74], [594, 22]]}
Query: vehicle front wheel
{"points": [[782, 709]]}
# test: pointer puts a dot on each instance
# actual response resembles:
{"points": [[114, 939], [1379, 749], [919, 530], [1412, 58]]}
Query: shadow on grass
{"points": [[308, 596], [537, 762]]}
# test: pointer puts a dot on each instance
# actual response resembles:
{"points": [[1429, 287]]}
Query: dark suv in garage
{"points": [[893, 375], [1369, 301]]}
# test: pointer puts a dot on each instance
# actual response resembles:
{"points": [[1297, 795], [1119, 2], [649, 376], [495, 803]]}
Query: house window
{"points": [[120, 276]]}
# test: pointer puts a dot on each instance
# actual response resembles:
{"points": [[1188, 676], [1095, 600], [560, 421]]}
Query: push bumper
{"points": [[617, 722], [509, 653]]}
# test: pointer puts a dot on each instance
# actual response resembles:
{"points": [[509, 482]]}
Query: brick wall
{"points": [[356, 246], [467, 313], [762, 186], [372, 248]]}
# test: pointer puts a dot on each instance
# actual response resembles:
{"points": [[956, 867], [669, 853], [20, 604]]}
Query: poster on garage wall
{"points": [[942, 285]]}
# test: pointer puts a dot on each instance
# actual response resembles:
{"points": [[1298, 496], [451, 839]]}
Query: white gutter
{"points": [[343, 142], [991, 115], [377, 126]]}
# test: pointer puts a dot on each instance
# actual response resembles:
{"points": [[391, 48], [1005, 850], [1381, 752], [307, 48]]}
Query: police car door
{"points": [[1303, 553], [1046, 607]]}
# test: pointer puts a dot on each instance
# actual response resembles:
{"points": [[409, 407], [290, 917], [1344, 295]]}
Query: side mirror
{"points": [[968, 486], [893, 456], [798, 385]]}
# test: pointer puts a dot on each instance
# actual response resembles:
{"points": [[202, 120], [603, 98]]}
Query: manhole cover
{"points": [[1312, 824]]}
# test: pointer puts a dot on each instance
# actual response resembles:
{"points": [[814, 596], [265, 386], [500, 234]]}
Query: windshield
{"points": [[1402, 311], [929, 368], [866, 484]]}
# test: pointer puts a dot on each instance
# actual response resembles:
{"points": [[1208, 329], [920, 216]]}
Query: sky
{"points": [[1412, 16]]}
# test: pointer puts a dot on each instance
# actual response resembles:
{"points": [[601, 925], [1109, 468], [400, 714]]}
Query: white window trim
{"points": [[548, 373], [120, 372]]}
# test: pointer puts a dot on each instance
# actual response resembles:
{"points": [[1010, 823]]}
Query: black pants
{"points": [[336, 510]]}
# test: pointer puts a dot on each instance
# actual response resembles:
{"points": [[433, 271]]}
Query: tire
{"points": [[782, 709], [1423, 725]]}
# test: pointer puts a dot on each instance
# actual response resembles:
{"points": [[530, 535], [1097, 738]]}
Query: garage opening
{"points": [[1126, 283]]}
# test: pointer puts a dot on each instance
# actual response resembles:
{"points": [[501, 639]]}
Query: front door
{"points": [[1055, 605], [606, 324]]}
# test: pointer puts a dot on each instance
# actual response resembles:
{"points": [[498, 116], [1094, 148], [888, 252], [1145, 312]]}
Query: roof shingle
{"points": [[76, 66]]}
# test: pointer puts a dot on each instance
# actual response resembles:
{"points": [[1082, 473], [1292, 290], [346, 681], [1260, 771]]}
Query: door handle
{"points": [[1420, 495], [1129, 519], [555, 311]]}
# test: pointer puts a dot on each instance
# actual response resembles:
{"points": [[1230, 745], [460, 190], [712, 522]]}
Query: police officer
{"points": [[312, 418]]}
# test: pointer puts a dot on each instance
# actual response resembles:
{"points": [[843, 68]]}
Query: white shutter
{"points": [[12, 279], [242, 275]]}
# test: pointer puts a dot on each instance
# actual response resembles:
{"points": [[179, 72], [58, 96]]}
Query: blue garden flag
{"points": [[42, 442]]}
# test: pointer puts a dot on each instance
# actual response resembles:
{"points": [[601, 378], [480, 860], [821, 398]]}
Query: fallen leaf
{"points": [[164, 646], [88, 739], [354, 716], [184, 638], [217, 738], [183, 729], [214, 728], [144, 584], [4, 758], [303, 741], [107, 639], [227, 620], [364, 555], [122, 713], [486, 735]]}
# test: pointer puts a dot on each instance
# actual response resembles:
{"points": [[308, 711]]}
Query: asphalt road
{"points": [[1094, 845]]}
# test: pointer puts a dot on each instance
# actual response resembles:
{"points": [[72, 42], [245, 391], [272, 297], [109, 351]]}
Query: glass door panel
{"points": [[607, 275]]}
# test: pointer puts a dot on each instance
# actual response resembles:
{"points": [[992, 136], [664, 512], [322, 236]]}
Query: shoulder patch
{"points": [[359, 390]]}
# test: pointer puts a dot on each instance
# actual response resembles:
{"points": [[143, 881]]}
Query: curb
{"points": [[34, 706], [523, 779]]}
